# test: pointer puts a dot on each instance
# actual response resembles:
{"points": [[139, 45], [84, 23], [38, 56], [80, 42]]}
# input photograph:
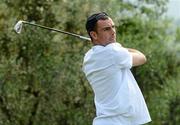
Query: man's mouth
{"points": [[113, 37]]}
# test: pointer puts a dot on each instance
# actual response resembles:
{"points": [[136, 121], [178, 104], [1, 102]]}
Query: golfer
{"points": [[107, 65]]}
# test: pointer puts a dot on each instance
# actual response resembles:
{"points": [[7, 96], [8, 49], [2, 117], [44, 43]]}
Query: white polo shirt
{"points": [[118, 99]]}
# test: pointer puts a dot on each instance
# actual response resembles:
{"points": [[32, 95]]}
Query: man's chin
{"points": [[112, 41]]}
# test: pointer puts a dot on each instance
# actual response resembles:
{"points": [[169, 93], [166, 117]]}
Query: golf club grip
{"points": [[61, 31]]}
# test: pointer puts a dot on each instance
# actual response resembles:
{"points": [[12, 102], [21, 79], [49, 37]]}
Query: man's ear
{"points": [[93, 35]]}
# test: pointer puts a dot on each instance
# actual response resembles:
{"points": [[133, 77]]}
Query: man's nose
{"points": [[113, 30]]}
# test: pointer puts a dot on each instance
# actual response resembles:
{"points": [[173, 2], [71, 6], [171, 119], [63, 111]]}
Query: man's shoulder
{"points": [[113, 49], [117, 49]]}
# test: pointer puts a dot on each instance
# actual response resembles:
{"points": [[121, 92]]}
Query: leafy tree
{"points": [[41, 81]]}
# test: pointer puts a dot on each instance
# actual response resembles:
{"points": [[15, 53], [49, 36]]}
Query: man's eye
{"points": [[107, 28]]}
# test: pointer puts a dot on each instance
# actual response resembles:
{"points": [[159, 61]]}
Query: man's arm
{"points": [[138, 57]]}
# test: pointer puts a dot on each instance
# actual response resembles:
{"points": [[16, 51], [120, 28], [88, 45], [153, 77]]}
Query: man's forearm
{"points": [[134, 50], [138, 57]]}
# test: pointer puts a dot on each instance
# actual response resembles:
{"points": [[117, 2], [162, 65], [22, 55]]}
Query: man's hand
{"points": [[138, 57]]}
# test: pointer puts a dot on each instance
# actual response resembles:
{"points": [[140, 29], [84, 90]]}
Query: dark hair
{"points": [[92, 20]]}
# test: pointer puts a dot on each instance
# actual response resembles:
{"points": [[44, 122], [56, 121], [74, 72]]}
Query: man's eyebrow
{"points": [[108, 26]]}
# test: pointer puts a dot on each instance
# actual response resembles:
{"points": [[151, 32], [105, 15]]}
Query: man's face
{"points": [[105, 32]]}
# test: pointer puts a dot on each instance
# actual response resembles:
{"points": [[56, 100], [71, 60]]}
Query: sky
{"points": [[174, 9]]}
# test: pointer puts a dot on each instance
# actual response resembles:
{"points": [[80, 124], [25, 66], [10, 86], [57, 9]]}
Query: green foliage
{"points": [[41, 81]]}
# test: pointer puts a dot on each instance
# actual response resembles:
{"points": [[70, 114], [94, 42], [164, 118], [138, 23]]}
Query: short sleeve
{"points": [[122, 57]]}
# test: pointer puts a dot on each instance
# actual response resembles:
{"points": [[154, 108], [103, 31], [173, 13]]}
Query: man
{"points": [[107, 65]]}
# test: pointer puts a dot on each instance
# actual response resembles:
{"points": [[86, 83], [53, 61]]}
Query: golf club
{"points": [[19, 25]]}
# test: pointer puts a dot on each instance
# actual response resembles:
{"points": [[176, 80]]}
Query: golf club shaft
{"points": [[61, 31]]}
